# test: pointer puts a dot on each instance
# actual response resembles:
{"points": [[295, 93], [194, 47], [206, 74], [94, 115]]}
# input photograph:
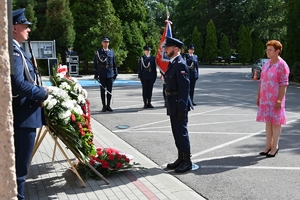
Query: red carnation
{"points": [[92, 162], [111, 150], [99, 153], [73, 118], [104, 164], [111, 157], [99, 149], [127, 160], [79, 125], [119, 165]]}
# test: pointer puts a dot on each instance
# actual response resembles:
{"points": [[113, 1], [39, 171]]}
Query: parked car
{"points": [[258, 65], [219, 59], [233, 57]]}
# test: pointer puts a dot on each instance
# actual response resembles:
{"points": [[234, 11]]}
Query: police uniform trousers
{"points": [[24, 144], [192, 88], [147, 87], [180, 133], [164, 93], [106, 83]]}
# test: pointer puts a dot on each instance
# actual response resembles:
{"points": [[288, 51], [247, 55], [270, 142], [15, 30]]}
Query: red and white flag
{"points": [[62, 69], [161, 59]]}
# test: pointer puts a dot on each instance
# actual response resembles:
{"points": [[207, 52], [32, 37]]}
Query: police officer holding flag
{"points": [[178, 103], [105, 71], [192, 62], [147, 74]]}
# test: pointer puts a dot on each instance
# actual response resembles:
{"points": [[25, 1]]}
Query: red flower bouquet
{"points": [[106, 162]]}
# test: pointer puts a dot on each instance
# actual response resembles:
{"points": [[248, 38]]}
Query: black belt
{"points": [[171, 93]]}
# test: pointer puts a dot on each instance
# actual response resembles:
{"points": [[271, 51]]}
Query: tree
{"points": [[197, 40], [196, 11], [211, 49], [59, 24], [132, 14], [244, 45], [91, 26], [135, 41], [292, 51], [258, 49], [225, 48]]}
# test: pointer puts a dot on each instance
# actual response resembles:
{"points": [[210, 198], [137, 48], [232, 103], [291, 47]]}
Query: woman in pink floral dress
{"points": [[271, 96]]}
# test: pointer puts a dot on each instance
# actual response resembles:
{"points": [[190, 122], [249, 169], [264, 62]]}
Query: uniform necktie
{"points": [[169, 64]]}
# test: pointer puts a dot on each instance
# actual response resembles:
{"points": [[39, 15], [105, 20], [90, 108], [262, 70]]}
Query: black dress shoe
{"points": [[194, 104], [175, 164], [108, 108], [272, 155], [150, 106], [184, 167], [103, 109], [264, 153]]}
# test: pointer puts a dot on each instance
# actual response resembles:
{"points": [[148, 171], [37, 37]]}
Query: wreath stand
{"points": [[39, 140]]}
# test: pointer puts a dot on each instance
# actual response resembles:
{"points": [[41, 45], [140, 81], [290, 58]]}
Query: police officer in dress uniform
{"points": [[69, 51], [147, 74], [192, 62], [178, 103], [28, 95], [105, 70]]}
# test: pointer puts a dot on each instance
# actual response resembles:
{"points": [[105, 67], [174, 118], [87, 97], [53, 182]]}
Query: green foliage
{"points": [[225, 48], [157, 12], [130, 10], [197, 40], [211, 49], [91, 26], [132, 14], [59, 17], [295, 72], [266, 20], [292, 49], [258, 49], [187, 15], [244, 45], [40, 33], [136, 42]]}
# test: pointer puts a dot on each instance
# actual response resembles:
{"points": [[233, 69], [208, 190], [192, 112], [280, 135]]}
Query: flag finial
{"points": [[168, 13]]}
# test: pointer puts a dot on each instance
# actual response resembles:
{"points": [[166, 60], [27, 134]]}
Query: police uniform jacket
{"points": [[27, 97], [147, 67], [105, 64], [177, 87], [192, 63]]}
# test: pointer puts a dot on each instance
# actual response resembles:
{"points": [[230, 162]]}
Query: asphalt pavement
{"points": [[225, 138]]}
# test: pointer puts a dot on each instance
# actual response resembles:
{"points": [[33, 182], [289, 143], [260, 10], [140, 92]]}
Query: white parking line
{"points": [[246, 167], [235, 141]]}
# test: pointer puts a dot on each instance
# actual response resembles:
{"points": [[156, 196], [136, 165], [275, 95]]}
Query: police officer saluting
{"points": [[147, 74], [192, 62], [105, 70], [28, 95], [178, 103]]}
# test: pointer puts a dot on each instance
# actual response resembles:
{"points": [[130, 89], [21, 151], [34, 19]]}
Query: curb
{"points": [[169, 185]]}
